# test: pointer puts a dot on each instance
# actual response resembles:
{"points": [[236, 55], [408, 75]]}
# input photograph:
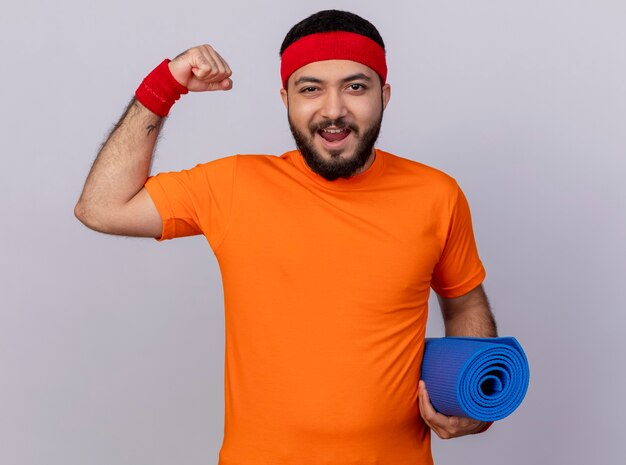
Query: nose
{"points": [[333, 105]]}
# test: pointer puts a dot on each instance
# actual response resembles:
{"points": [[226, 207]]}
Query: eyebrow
{"points": [[352, 77]]}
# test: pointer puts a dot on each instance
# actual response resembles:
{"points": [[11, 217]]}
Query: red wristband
{"points": [[159, 90]]}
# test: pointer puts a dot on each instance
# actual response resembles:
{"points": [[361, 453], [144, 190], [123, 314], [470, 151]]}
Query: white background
{"points": [[112, 349]]}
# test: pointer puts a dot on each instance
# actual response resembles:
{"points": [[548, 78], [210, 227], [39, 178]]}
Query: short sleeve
{"points": [[195, 201], [459, 269]]}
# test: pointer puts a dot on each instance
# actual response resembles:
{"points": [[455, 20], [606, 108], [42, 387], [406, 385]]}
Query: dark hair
{"points": [[332, 20]]}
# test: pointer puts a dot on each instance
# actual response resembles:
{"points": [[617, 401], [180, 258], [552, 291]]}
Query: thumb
{"points": [[226, 84]]}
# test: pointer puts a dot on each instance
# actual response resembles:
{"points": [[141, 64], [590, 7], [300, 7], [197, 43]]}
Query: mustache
{"points": [[339, 123]]}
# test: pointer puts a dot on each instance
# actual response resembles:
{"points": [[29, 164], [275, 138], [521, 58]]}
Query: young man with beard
{"points": [[327, 253]]}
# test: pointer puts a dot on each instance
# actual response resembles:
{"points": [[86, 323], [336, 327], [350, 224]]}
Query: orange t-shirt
{"points": [[326, 287]]}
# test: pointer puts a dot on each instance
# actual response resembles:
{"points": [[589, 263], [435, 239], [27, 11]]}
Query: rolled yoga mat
{"points": [[481, 378]]}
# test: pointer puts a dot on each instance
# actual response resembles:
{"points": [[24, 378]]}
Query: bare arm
{"points": [[114, 200], [468, 315]]}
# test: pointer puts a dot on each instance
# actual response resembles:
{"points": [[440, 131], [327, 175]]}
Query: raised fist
{"points": [[201, 69]]}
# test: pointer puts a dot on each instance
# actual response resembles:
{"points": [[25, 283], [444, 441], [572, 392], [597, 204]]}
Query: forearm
{"points": [[476, 323], [122, 165], [469, 315]]}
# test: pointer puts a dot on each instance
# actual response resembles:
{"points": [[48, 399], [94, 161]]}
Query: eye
{"points": [[308, 90], [357, 87]]}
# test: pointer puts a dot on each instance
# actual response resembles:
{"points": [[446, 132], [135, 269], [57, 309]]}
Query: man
{"points": [[327, 253]]}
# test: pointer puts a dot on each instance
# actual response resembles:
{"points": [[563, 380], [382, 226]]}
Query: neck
{"points": [[369, 162]]}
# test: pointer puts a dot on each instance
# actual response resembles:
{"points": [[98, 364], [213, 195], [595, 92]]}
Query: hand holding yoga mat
{"points": [[481, 378]]}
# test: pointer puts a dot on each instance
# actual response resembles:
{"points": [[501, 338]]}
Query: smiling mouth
{"points": [[333, 134]]}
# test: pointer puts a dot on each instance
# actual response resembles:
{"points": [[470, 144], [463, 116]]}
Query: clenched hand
{"points": [[201, 69]]}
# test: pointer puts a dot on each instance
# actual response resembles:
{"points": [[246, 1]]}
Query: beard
{"points": [[336, 167]]}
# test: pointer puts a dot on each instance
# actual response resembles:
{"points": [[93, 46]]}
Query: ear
{"points": [[283, 95], [386, 95]]}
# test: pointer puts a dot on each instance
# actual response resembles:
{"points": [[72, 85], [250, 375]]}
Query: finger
{"points": [[438, 422], [462, 426], [225, 63], [204, 66], [420, 400], [219, 61], [224, 71], [429, 411], [470, 425], [226, 84], [215, 59], [216, 79]]}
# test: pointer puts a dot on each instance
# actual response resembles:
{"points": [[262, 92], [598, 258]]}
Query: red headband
{"points": [[336, 45]]}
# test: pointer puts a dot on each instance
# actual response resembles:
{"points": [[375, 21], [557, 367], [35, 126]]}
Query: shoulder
{"points": [[419, 174], [257, 165], [235, 162], [219, 163], [254, 159]]}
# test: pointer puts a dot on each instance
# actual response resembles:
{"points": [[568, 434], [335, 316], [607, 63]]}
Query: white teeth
{"points": [[333, 131]]}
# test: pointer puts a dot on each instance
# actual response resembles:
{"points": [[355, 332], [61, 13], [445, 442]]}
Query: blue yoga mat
{"points": [[481, 378]]}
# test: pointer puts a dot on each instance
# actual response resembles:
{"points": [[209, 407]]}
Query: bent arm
{"points": [[113, 200], [468, 315]]}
